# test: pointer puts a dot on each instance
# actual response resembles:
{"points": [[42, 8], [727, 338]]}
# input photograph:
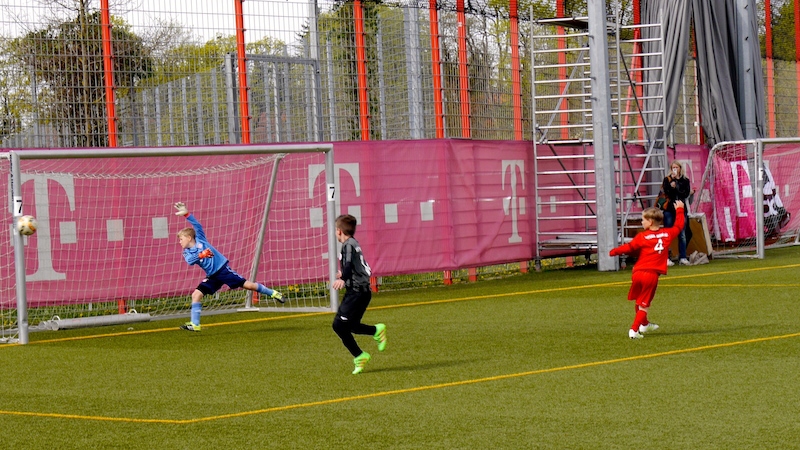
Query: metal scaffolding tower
{"points": [[564, 161]]}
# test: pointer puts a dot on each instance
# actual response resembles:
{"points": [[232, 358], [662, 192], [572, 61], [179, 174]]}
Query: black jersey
{"points": [[355, 270]]}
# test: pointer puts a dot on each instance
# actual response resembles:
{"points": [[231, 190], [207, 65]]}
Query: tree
{"points": [[67, 60], [13, 104], [783, 46], [183, 57]]}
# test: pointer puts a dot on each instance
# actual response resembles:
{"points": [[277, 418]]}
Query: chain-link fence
{"points": [[313, 71]]}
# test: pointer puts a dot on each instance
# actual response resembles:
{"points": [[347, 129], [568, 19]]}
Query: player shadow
{"points": [[688, 332], [418, 367], [261, 331]]}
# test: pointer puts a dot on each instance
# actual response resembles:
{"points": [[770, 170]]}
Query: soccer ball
{"points": [[26, 225]]}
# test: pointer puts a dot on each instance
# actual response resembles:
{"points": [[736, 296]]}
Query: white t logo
{"points": [[314, 171], [41, 198], [514, 204]]}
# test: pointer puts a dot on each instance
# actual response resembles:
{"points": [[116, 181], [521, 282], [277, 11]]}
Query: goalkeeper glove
{"points": [[182, 211], [277, 296], [205, 254]]}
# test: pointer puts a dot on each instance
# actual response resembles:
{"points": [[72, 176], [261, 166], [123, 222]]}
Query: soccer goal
{"points": [[106, 250], [750, 195]]}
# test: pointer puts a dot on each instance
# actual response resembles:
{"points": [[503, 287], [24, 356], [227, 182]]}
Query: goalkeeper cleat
{"points": [[277, 296], [189, 326], [649, 327], [633, 334], [380, 336], [360, 361]]}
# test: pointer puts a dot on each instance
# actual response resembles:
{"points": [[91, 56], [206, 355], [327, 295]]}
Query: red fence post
{"points": [[770, 71], [797, 52], [361, 68], [436, 66], [108, 70], [638, 63], [241, 56], [516, 89], [562, 70], [463, 70]]}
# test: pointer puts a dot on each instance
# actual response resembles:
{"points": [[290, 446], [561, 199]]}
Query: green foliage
{"points": [[538, 361], [13, 104], [67, 59], [783, 33], [188, 58]]}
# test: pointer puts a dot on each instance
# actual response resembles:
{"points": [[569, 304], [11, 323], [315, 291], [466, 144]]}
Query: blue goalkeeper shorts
{"points": [[223, 276]]}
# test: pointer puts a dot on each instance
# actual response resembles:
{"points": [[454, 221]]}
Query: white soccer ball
{"points": [[26, 225]]}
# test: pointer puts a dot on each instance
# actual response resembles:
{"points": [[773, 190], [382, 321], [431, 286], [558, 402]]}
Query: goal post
{"points": [[106, 249], [750, 196]]}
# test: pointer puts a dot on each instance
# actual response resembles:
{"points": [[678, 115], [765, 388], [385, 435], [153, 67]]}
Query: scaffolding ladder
{"points": [[566, 218]]}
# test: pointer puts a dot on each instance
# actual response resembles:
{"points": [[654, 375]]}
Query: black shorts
{"points": [[354, 304], [223, 276]]}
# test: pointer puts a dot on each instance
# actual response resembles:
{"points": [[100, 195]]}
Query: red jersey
{"points": [[652, 247]]}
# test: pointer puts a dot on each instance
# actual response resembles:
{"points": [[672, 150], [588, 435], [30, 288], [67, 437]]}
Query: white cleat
{"points": [[646, 328], [633, 334]]}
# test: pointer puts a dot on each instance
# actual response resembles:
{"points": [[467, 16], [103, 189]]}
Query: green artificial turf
{"points": [[540, 360]]}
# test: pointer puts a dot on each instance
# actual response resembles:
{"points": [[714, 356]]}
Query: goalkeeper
{"points": [[197, 250]]}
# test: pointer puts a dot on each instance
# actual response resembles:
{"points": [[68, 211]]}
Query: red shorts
{"points": [[643, 287]]}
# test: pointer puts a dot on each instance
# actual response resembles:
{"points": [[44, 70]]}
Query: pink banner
{"points": [[422, 206], [440, 204], [732, 213], [782, 171]]}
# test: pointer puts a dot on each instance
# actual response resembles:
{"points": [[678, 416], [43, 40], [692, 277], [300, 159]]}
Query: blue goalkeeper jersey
{"points": [[192, 255]]}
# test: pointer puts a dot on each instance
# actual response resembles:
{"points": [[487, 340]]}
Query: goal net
{"points": [[750, 195], [106, 250]]}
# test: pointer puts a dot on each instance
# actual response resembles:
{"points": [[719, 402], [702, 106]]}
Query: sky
{"points": [[280, 19]]}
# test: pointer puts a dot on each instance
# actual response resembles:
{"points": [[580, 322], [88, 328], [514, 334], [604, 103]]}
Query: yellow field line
{"points": [[728, 272], [302, 315], [399, 391], [421, 388], [719, 285], [665, 282]]}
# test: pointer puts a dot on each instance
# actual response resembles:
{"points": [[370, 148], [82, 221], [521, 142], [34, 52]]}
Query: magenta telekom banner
{"points": [[107, 228], [732, 216], [440, 204], [422, 206]]}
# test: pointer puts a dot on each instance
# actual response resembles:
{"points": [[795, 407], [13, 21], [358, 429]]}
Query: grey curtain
{"points": [[676, 49], [730, 83]]}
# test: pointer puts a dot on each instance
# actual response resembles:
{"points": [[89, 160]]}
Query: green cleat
{"points": [[360, 361], [189, 326], [277, 296], [380, 336]]}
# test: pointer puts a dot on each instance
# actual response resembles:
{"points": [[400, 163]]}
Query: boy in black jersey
{"points": [[354, 275]]}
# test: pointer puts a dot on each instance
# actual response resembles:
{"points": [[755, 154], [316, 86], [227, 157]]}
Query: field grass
{"points": [[540, 360]]}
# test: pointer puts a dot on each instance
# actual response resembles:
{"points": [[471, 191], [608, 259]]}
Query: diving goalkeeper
{"points": [[198, 251]]}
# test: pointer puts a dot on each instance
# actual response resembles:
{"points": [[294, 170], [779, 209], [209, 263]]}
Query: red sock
{"points": [[641, 318], [644, 320]]}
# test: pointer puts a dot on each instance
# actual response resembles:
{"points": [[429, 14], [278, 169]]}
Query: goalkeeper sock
{"points": [[264, 290], [196, 307]]}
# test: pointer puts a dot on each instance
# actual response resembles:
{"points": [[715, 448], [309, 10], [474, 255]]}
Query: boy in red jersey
{"points": [[652, 247]]}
